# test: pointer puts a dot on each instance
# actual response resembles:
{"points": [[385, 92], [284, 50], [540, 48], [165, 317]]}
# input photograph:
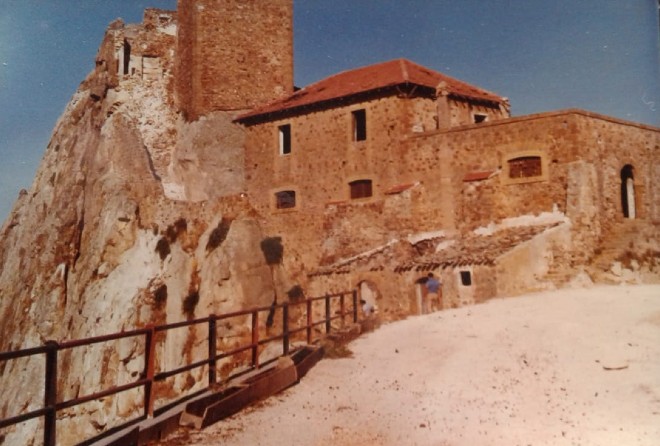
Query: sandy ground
{"points": [[568, 367]]}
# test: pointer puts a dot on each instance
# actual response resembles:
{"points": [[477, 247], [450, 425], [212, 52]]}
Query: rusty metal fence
{"points": [[332, 307]]}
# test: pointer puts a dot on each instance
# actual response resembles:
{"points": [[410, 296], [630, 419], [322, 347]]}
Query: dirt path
{"points": [[570, 367]]}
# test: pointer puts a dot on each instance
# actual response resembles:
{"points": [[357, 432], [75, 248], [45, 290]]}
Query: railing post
{"points": [[50, 394], [213, 351], [285, 328], [342, 308], [149, 370], [310, 321], [355, 306], [255, 339], [328, 326]]}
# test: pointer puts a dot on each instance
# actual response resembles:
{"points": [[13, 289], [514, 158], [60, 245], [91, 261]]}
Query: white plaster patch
{"points": [[170, 29], [174, 191], [444, 245], [419, 237], [543, 218]]}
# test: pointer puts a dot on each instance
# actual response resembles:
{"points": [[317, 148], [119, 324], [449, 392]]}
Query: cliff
{"points": [[125, 225]]}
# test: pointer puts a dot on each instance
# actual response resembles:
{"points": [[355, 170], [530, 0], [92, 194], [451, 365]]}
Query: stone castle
{"points": [[188, 149]]}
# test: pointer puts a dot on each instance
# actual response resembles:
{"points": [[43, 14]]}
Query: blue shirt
{"points": [[432, 285]]}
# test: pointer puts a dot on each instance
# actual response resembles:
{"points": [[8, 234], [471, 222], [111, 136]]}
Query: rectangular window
{"points": [[525, 167], [479, 118], [285, 199], [360, 189], [359, 125], [285, 139], [466, 278]]}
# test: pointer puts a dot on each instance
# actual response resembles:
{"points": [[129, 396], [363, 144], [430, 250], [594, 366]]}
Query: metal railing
{"points": [[149, 376]]}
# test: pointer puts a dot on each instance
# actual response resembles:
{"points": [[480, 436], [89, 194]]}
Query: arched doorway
{"points": [[368, 292], [627, 192]]}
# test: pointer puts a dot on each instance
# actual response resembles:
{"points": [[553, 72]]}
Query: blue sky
{"points": [[599, 55]]}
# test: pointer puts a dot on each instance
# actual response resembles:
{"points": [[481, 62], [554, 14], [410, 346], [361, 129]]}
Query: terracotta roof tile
{"points": [[371, 78], [399, 188], [478, 175]]}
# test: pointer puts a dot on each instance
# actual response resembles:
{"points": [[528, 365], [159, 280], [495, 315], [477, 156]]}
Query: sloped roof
{"points": [[478, 175], [371, 78], [466, 249], [397, 189]]}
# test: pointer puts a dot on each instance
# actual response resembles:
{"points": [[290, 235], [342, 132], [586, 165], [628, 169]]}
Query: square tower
{"points": [[233, 54]]}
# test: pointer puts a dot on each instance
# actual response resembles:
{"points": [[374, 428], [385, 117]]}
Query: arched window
{"points": [[628, 191], [360, 189], [525, 167]]}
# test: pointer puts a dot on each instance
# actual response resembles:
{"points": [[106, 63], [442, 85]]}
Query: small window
{"points": [[466, 278], [127, 57], [360, 189], [479, 118], [285, 139], [285, 199], [359, 125], [525, 167]]}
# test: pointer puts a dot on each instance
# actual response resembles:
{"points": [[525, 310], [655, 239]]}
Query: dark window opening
{"points": [[525, 166], [285, 139], [479, 118], [466, 278], [360, 189], [285, 199], [627, 191], [127, 56], [359, 125]]}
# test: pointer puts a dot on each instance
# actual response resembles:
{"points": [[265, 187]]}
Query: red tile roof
{"points": [[372, 78], [399, 188], [478, 176]]}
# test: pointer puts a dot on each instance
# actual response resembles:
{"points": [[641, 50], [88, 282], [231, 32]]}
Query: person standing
{"points": [[433, 290]]}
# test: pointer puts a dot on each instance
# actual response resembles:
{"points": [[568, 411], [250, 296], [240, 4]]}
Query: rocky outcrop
{"points": [[135, 217]]}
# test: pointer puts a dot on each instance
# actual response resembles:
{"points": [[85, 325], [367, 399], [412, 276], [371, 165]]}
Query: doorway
{"points": [[420, 294], [368, 292]]}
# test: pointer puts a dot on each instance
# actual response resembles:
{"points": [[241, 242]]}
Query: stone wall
{"points": [[559, 139], [454, 180], [319, 168], [233, 54]]}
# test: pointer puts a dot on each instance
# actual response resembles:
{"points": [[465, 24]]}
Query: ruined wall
{"points": [[233, 54]]}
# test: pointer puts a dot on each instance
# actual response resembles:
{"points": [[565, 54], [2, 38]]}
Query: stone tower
{"points": [[233, 54]]}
